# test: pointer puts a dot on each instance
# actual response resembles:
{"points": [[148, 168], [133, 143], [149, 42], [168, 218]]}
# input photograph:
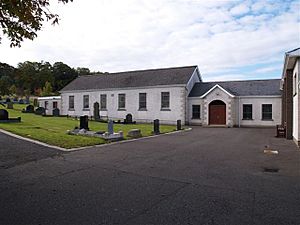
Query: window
{"points": [[142, 101], [247, 111], [103, 102], [267, 111], [122, 99], [46, 105], [195, 111], [54, 104], [71, 102], [86, 100], [165, 100]]}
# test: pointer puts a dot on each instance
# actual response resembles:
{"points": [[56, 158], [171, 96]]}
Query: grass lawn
{"points": [[52, 130]]}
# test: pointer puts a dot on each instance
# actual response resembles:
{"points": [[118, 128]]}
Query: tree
{"points": [[47, 89], [21, 19], [63, 74], [83, 71]]}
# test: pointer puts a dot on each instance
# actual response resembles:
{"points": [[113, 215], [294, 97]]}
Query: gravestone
{"points": [[21, 101], [55, 112], [128, 118], [8, 100], [156, 127], [10, 105], [40, 111], [27, 100], [3, 114], [29, 109], [178, 124], [96, 111], [84, 122], [110, 127]]}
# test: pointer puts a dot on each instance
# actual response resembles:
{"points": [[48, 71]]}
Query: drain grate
{"points": [[271, 170]]}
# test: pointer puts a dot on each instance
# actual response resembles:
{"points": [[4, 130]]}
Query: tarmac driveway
{"points": [[203, 176]]}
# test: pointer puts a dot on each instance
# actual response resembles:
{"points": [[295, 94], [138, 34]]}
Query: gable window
{"points": [[142, 101], [165, 100], [195, 111], [86, 100], [103, 100], [122, 101], [247, 111], [267, 111], [71, 102]]}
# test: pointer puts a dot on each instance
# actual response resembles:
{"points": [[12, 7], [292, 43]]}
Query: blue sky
{"points": [[228, 40]]}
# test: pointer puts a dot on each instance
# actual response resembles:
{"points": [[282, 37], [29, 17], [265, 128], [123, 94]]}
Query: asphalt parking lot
{"points": [[203, 176]]}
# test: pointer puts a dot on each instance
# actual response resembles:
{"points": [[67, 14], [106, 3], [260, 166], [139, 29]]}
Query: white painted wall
{"points": [[257, 110], [49, 110], [177, 104], [296, 98]]}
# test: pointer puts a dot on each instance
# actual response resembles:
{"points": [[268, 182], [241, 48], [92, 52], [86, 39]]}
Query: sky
{"points": [[228, 40]]}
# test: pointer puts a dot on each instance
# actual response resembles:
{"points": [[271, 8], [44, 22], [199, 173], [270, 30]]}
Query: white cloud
{"points": [[118, 35]]}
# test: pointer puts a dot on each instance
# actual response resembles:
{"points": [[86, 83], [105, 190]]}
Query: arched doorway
{"points": [[217, 113]]}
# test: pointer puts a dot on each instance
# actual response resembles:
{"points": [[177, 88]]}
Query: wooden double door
{"points": [[217, 113]]}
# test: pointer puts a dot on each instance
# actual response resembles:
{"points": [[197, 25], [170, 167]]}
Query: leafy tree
{"points": [[21, 19], [63, 74], [13, 89], [83, 71], [47, 89], [5, 83]]}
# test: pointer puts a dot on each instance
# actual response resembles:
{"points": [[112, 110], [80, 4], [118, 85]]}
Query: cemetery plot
{"points": [[54, 130]]}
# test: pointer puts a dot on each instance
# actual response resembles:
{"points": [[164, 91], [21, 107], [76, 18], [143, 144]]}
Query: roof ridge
{"points": [[239, 80], [142, 70]]}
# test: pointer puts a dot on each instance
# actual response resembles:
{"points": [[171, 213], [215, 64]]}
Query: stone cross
{"points": [[110, 127]]}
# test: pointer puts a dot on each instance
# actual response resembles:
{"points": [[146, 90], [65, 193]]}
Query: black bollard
{"points": [[156, 127], [178, 124]]}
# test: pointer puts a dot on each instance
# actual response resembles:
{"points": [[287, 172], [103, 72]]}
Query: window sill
{"points": [[86, 109], [267, 119], [143, 109], [166, 109], [121, 109], [103, 109], [71, 109], [195, 118], [246, 119]]}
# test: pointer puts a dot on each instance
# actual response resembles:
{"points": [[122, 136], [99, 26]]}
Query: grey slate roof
{"points": [[240, 88], [140, 78]]}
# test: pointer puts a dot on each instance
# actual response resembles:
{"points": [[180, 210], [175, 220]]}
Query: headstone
{"points": [[128, 118], [84, 122], [110, 127], [15, 99], [40, 111], [27, 100], [21, 101], [35, 102], [3, 114], [178, 124], [156, 127], [55, 112], [96, 111], [8, 100], [134, 133], [30, 109], [10, 105]]}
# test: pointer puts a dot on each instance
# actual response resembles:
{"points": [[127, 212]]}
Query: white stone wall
{"points": [[257, 110], [296, 98], [177, 104], [234, 109], [217, 94]]}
